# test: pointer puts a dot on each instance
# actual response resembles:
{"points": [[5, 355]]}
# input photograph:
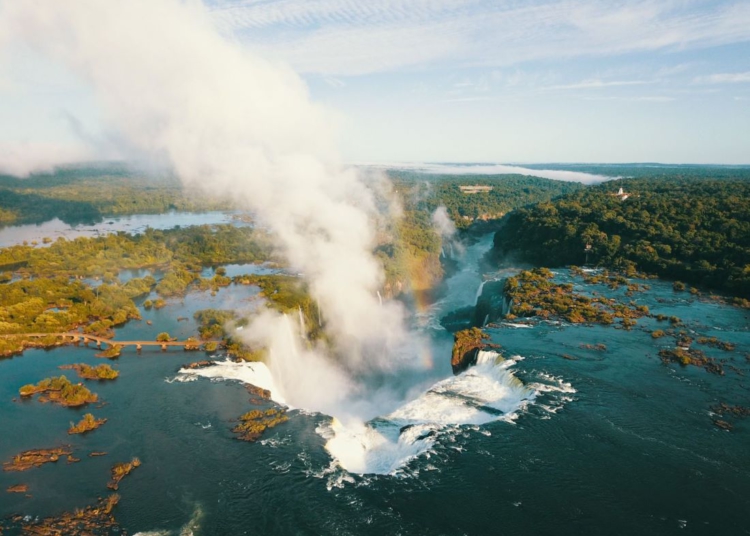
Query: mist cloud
{"points": [[22, 158], [233, 123]]}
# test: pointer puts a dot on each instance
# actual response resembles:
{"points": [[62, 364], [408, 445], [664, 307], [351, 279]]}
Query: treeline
{"points": [[692, 229], [427, 192], [180, 248], [410, 251], [81, 195]]}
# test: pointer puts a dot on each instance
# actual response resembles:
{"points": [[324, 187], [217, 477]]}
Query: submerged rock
{"points": [[264, 394], [254, 423], [96, 519], [120, 471], [36, 458]]}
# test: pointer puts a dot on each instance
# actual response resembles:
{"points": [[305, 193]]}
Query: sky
{"points": [[502, 81]]}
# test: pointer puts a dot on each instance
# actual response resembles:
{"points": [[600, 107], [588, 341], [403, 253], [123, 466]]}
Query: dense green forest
{"points": [[179, 248], [692, 229], [652, 170], [425, 193], [50, 289], [410, 252], [85, 195]]}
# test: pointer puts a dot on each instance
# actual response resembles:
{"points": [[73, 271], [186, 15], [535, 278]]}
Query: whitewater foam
{"points": [[255, 373], [487, 392]]}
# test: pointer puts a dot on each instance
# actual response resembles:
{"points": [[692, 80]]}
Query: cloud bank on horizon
{"points": [[497, 169]]}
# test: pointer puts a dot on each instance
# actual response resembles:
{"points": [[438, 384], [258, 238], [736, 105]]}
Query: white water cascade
{"points": [[486, 392], [479, 292], [378, 428], [302, 330]]}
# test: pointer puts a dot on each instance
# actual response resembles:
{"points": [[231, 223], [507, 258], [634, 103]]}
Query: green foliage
{"points": [[85, 195], [211, 322], [534, 294], [53, 305], [163, 337], [289, 295], [99, 372], [507, 193], [175, 250], [253, 423], [86, 424], [689, 229], [60, 391]]}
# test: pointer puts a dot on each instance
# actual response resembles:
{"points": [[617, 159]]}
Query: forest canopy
{"points": [[687, 228]]}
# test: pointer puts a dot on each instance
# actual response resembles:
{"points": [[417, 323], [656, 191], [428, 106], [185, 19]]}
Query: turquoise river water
{"points": [[613, 442]]}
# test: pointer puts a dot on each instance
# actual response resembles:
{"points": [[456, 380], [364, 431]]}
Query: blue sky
{"points": [[469, 81]]}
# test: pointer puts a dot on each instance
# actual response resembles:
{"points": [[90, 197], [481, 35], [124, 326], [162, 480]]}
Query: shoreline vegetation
{"points": [[691, 229], [59, 391], [533, 294], [86, 424], [87, 372]]}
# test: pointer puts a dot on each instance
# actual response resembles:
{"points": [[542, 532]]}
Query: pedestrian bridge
{"points": [[102, 342]]}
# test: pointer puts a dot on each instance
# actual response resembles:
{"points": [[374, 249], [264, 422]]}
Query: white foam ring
{"points": [[484, 393]]}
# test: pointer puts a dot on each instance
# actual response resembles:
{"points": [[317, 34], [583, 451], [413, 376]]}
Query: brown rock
{"points": [[466, 346]]}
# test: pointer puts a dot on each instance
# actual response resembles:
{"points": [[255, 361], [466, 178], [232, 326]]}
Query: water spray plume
{"points": [[176, 91]]}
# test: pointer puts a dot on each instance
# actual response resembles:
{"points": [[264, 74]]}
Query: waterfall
{"points": [[303, 332], [486, 319], [479, 292], [380, 298], [442, 251]]}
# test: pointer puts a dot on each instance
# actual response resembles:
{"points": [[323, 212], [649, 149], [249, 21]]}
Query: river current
{"points": [[526, 442]]}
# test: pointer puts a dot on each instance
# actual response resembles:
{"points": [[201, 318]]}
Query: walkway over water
{"points": [[86, 338]]}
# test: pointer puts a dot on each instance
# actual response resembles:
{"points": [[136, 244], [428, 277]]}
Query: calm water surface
{"points": [[136, 223]]}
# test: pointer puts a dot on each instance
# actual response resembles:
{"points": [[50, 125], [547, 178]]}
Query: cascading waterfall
{"points": [[406, 423], [479, 292], [380, 298], [486, 392], [302, 330]]}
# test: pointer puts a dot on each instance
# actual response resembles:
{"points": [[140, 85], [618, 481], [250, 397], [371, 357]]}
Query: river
{"points": [[613, 442], [136, 223]]}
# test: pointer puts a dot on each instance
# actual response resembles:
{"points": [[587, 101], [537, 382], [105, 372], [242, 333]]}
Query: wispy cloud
{"points": [[723, 78], [348, 37], [642, 98], [599, 84]]}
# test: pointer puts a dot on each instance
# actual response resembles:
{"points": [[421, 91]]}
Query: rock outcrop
{"points": [[466, 346]]}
